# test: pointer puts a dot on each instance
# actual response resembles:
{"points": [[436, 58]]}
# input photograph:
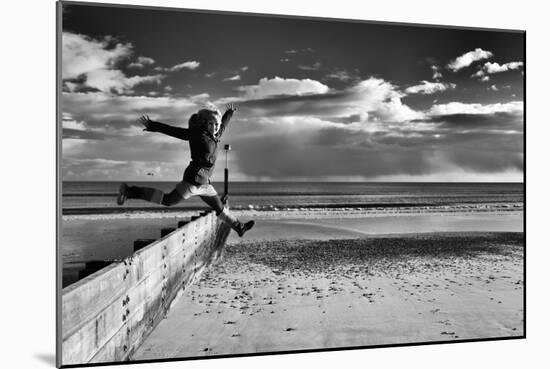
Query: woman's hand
{"points": [[144, 119], [231, 107]]}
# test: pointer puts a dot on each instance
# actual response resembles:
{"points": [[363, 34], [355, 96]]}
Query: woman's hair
{"points": [[205, 115], [194, 121]]}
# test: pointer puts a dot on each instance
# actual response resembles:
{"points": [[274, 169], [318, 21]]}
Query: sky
{"points": [[317, 100]]}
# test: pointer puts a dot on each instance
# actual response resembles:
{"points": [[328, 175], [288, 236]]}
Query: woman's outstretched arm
{"points": [[230, 109], [152, 126]]}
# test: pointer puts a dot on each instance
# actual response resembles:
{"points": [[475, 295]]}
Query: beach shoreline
{"points": [[87, 238], [274, 212], [270, 296]]}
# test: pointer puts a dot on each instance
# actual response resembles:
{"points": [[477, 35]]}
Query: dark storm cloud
{"points": [[338, 153], [314, 135], [501, 121], [82, 135], [283, 156], [354, 118], [480, 160], [318, 104], [480, 143], [337, 137]]}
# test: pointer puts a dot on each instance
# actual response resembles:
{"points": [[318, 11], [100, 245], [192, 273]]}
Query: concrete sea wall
{"points": [[108, 314]]}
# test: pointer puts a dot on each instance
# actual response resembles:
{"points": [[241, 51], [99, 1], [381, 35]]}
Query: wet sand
{"points": [[110, 239], [278, 295]]}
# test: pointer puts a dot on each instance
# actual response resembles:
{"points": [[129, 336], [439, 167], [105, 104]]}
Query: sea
{"points": [[95, 228], [100, 197]]}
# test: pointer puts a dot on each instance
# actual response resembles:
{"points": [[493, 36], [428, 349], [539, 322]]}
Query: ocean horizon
{"points": [[91, 197]]}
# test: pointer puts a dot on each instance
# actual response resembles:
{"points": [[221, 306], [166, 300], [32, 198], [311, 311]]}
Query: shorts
{"points": [[187, 190]]}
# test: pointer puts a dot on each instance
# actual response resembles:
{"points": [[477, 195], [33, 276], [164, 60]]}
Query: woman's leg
{"points": [[214, 202], [145, 193], [225, 216], [148, 194], [172, 198]]}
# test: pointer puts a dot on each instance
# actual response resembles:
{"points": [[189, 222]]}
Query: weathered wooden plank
{"points": [[92, 336], [86, 298], [155, 297], [107, 315], [89, 296]]}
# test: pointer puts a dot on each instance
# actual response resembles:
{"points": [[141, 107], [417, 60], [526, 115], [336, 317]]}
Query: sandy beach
{"points": [[87, 238], [279, 295]]}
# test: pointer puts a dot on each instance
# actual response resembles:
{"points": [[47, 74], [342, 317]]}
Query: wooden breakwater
{"points": [[108, 314]]}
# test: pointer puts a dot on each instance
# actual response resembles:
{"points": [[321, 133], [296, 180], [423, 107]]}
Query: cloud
{"points": [[427, 88], [245, 68], [88, 63], [236, 77], [382, 100], [366, 132], [299, 147], [141, 62], [467, 59], [115, 80], [314, 66], [341, 75], [467, 138], [304, 50], [436, 73], [67, 121], [296, 129], [492, 68], [513, 107], [186, 65], [372, 99], [81, 134], [101, 138], [282, 86], [479, 73], [200, 99], [191, 65], [82, 54], [74, 129], [118, 114], [497, 68]]}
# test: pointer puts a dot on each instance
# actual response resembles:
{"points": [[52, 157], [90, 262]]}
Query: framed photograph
{"points": [[238, 184]]}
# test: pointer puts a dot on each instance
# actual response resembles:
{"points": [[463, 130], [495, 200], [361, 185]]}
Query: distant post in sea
{"points": [[227, 148]]}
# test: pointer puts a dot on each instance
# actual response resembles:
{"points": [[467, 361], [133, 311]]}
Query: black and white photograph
{"points": [[238, 184]]}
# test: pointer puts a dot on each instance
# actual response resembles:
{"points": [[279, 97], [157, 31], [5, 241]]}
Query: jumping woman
{"points": [[204, 132]]}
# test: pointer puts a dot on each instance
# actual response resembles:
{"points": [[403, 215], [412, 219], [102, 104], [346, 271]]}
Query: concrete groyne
{"points": [[108, 314]]}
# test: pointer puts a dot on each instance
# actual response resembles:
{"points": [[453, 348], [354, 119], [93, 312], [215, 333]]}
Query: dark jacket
{"points": [[203, 145]]}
